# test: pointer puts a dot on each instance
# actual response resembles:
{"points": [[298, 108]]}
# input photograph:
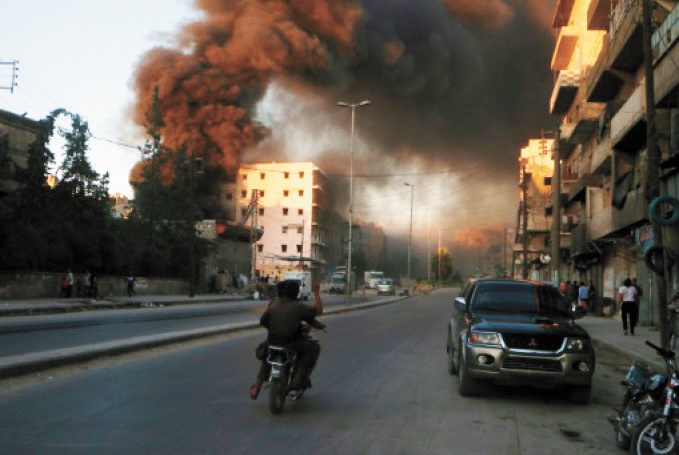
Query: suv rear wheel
{"points": [[452, 367]]}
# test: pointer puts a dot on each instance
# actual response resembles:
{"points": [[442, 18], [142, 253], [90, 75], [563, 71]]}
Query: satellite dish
{"points": [[545, 258]]}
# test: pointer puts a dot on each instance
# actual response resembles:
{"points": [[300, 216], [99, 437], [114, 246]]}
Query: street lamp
{"points": [[351, 186], [410, 232]]}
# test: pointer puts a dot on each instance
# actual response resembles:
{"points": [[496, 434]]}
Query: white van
{"points": [[304, 279]]}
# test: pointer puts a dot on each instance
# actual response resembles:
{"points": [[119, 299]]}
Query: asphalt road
{"points": [[381, 387]]}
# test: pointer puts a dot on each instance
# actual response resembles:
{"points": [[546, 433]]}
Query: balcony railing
{"points": [[585, 118], [565, 89], [611, 220], [601, 156], [625, 124], [565, 47]]}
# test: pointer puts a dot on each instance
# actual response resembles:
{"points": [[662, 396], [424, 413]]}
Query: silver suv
{"points": [[518, 332], [385, 286]]}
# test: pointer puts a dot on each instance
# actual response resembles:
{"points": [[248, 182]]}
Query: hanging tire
{"points": [[656, 214], [649, 258]]}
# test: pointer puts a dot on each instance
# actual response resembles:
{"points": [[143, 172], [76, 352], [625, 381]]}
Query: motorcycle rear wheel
{"points": [[649, 440], [277, 393]]}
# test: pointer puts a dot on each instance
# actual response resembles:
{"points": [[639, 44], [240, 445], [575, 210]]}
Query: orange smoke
{"points": [[487, 14], [209, 86]]}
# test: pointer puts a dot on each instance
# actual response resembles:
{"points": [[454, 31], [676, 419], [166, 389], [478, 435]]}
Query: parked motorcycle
{"points": [[649, 420], [642, 397], [283, 362]]}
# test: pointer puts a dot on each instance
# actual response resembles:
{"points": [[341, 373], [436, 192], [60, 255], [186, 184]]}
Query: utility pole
{"points": [[253, 238], [652, 189], [556, 209], [504, 252], [524, 214], [13, 77]]}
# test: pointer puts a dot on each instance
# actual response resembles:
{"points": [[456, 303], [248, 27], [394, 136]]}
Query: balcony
{"points": [[565, 89], [578, 240], [585, 121], [563, 13], [610, 221], [598, 14], [603, 83], [577, 189], [666, 56], [626, 51], [601, 157], [565, 47], [628, 125]]}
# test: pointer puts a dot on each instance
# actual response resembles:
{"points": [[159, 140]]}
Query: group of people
{"points": [[579, 293], [86, 286], [629, 298]]}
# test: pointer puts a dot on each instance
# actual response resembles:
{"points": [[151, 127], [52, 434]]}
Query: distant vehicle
{"points": [[338, 282], [518, 332], [372, 277], [385, 286], [304, 279]]}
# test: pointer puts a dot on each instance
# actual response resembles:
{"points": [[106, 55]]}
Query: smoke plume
{"points": [[455, 84]]}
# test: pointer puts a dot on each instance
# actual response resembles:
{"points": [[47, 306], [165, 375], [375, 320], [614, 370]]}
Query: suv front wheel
{"points": [[467, 386]]}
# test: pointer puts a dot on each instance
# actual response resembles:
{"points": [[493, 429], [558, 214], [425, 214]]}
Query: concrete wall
{"points": [[26, 285]]}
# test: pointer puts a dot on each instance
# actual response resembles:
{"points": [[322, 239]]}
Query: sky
{"points": [[458, 87]]}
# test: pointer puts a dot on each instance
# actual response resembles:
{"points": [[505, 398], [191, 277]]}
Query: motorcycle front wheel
{"points": [[652, 439], [277, 393]]}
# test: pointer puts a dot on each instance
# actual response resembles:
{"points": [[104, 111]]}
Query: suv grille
{"points": [[532, 342], [520, 363]]}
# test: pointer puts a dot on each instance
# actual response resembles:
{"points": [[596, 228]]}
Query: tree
{"points": [[441, 265]]}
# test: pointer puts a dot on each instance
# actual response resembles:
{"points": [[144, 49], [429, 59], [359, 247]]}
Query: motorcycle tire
{"points": [[622, 440], [648, 439], [277, 394]]}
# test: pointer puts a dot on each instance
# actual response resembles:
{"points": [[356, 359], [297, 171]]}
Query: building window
{"points": [[260, 248], [261, 211], [285, 211], [262, 176], [286, 193], [301, 174], [245, 176], [261, 193], [300, 229], [284, 229], [229, 196], [301, 193], [284, 248], [286, 175], [300, 211], [244, 194], [299, 249]]}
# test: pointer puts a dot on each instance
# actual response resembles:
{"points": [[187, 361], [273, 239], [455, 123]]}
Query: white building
{"points": [[289, 209]]}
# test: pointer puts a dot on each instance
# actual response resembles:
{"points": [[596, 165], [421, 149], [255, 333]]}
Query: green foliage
{"points": [[442, 269]]}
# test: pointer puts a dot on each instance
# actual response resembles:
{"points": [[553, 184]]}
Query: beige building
{"points": [[286, 201], [599, 95]]}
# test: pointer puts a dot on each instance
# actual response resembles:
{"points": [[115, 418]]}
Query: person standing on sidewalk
{"points": [[627, 301], [583, 296], [131, 281]]}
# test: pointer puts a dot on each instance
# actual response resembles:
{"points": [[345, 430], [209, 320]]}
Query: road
{"points": [[381, 387]]}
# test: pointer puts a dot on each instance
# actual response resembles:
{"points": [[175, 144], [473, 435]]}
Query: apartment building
{"points": [[534, 221], [599, 94], [17, 134], [285, 200]]}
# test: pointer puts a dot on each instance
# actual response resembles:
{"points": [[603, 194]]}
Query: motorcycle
{"points": [[283, 363], [642, 397], [649, 420]]}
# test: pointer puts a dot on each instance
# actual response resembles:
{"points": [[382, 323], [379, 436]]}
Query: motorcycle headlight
{"points": [[577, 344], [487, 338]]}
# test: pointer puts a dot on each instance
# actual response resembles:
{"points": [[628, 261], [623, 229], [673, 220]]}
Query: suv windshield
{"points": [[518, 298]]}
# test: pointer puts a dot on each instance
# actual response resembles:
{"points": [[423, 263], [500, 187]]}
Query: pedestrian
{"points": [[583, 295], [131, 283], [94, 286], [63, 292], [69, 283], [88, 283], [628, 304], [591, 293]]}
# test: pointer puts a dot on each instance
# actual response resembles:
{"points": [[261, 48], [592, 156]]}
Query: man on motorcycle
{"points": [[283, 321]]}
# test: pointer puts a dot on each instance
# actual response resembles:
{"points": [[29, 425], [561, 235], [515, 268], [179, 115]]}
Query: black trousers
{"points": [[307, 350], [631, 310]]}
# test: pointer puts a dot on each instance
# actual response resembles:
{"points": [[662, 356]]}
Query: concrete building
{"points": [[288, 205], [599, 95], [533, 225], [17, 134]]}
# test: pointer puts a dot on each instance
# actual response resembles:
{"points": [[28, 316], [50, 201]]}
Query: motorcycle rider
{"points": [[283, 321]]}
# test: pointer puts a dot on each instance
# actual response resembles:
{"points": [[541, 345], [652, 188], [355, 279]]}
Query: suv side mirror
{"points": [[460, 304]]}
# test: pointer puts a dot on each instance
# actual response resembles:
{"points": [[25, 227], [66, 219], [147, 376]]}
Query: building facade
{"points": [[599, 96], [17, 134]]}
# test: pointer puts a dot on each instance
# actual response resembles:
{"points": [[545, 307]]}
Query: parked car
{"points": [[385, 286], [521, 333]]}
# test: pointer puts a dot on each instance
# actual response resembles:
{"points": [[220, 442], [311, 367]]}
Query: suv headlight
{"points": [[487, 338], [578, 344]]}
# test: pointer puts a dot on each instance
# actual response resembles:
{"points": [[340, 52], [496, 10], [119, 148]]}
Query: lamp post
{"points": [[410, 232], [351, 187]]}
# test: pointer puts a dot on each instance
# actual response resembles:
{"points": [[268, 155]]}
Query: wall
{"points": [[28, 285]]}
